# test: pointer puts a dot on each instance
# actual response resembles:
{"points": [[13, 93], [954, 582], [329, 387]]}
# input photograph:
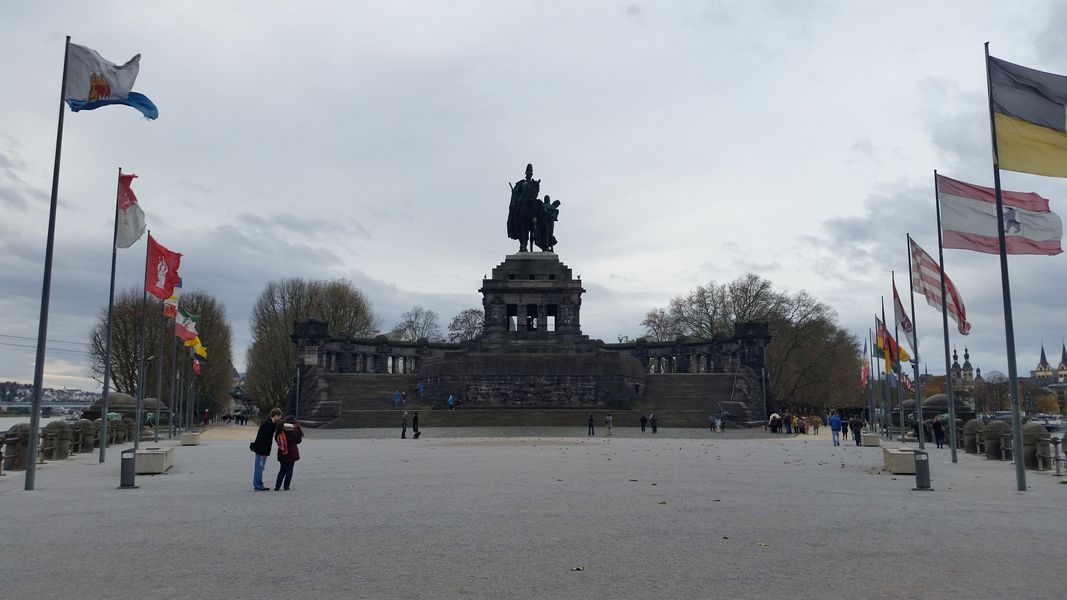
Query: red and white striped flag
{"points": [[926, 279], [903, 321]]}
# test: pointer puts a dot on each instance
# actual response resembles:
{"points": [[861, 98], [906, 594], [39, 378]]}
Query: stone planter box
{"points": [[871, 439], [190, 438], [899, 461], [154, 460]]}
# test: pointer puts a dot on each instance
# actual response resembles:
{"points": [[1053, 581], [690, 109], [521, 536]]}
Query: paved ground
{"points": [[480, 513]]}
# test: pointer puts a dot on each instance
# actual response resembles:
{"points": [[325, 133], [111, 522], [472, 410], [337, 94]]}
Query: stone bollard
{"points": [[992, 436], [87, 435], [48, 446], [102, 440], [10, 450], [1031, 431], [18, 439], [119, 427], [1056, 455], [970, 435], [60, 443], [63, 441], [1044, 452]]}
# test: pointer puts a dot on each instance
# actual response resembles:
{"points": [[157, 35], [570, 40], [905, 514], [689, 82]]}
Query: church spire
{"points": [[1044, 361]]}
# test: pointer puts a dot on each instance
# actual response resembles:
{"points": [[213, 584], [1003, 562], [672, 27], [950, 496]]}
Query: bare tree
{"points": [[416, 324], [216, 376], [813, 362], [467, 325], [271, 357]]}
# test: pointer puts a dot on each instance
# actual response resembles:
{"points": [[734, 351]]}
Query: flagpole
{"points": [[173, 379], [889, 365], [914, 342], [110, 310], [870, 385], [887, 354], [952, 434], [140, 351], [881, 386], [193, 407], [159, 372], [46, 288], [1009, 329]]}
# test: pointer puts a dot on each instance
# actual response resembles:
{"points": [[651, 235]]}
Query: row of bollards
{"points": [[922, 459]]}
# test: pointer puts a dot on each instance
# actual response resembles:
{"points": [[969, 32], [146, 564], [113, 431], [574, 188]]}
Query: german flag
{"points": [[1030, 115]]}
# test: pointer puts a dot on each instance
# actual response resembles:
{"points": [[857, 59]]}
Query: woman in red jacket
{"points": [[288, 436]]}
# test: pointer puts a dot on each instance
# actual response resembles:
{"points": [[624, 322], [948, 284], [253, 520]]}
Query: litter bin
{"points": [[922, 471], [129, 470]]}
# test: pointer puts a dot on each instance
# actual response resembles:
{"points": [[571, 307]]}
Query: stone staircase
{"points": [[688, 399], [678, 399]]}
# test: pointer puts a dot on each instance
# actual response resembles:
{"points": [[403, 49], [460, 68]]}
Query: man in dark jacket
{"points": [[261, 447], [856, 425]]}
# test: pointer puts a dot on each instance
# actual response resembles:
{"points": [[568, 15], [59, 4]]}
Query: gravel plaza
{"points": [[533, 513]]}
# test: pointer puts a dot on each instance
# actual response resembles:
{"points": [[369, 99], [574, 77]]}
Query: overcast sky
{"points": [[688, 142]]}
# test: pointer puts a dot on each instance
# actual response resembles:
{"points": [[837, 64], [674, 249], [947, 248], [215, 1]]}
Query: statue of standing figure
{"points": [[523, 210], [530, 220]]}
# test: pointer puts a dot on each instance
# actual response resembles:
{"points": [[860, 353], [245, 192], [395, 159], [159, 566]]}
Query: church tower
{"points": [[1043, 370], [967, 372], [1061, 369], [957, 378]]}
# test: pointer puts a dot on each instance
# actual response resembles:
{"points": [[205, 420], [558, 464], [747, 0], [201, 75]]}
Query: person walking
{"points": [[718, 423], [939, 433], [590, 422], [261, 447], [644, 421], [288, 436], [451, 402], [835, 428], [607, 423], [415, 433], [404, 425], [652, 422], [856, 425]]}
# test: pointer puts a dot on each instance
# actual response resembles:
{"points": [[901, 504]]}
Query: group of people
{"points": [[415, 433], [838, 426], [794, 424], [237, 419], [650, 421], [286, 434], [608, 423]]}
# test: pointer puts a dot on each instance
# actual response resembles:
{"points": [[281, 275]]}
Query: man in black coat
{"points": [[261, 447], [856, 425]]}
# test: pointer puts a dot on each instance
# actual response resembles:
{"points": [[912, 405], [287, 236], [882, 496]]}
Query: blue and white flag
{"points": [[93, 82]]}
